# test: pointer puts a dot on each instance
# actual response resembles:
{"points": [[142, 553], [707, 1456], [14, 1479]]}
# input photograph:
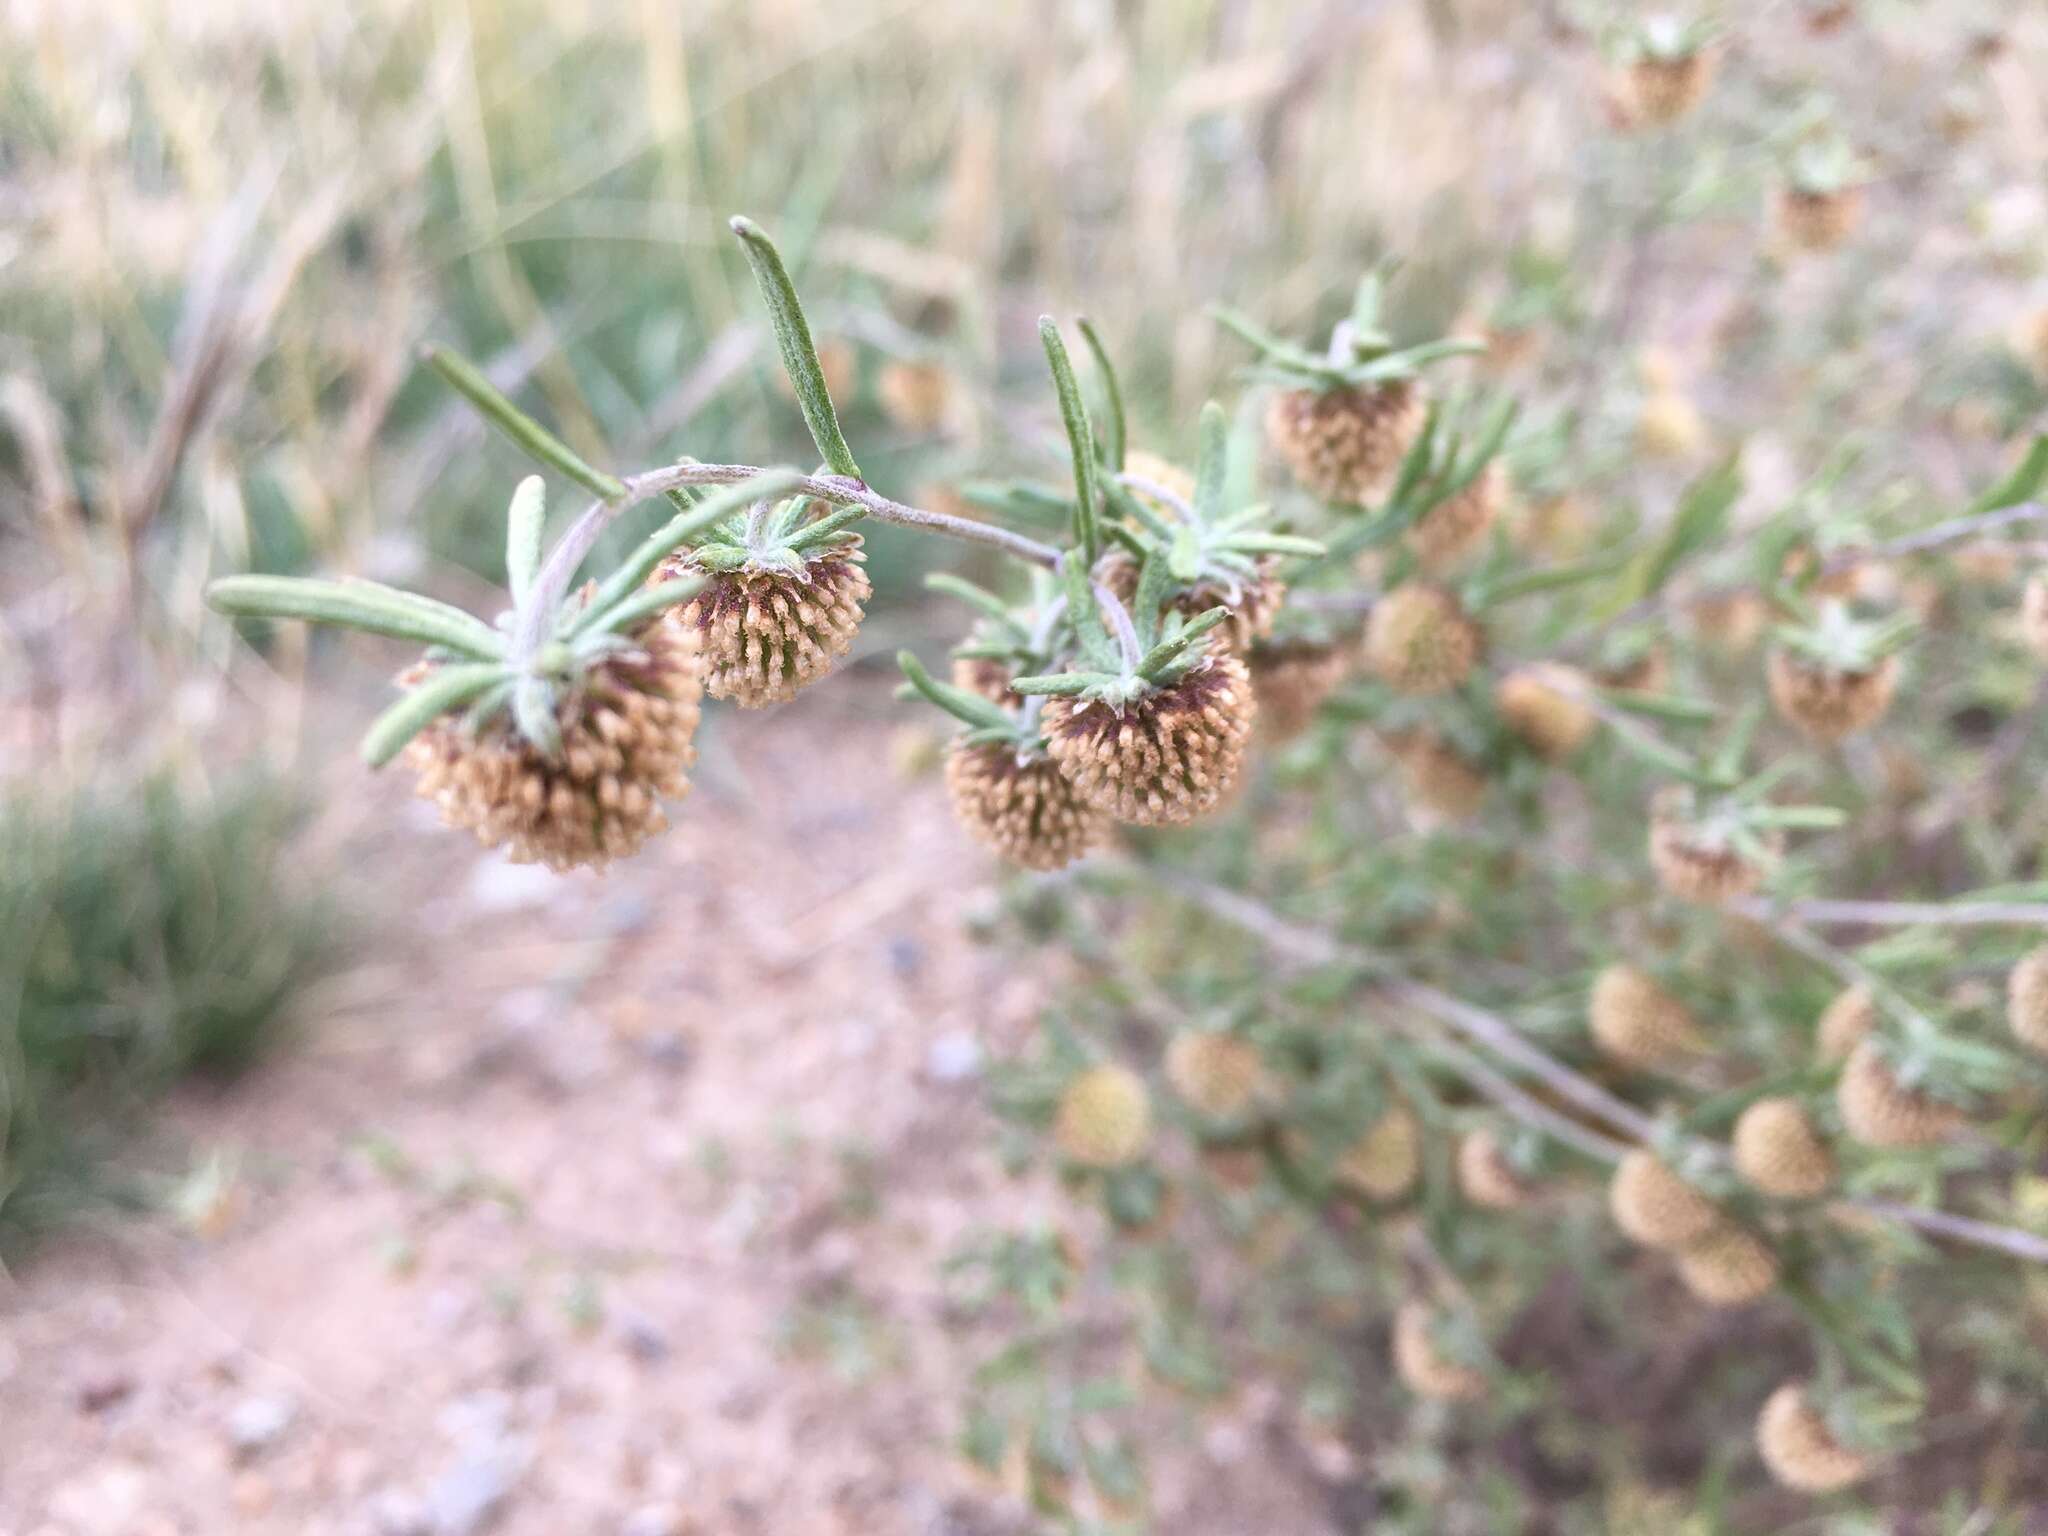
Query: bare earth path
{"points": [[625, 1214]]}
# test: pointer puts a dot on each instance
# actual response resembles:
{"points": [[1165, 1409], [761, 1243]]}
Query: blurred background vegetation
{"points": [[227, 229]]}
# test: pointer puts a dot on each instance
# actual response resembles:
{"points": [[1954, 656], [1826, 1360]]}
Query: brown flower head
{"points": [[1880, 1111], [1423, 1367], [1291, 679], [2026, 1000], [1346, 445], [1655, 1207], [1843, 1026], [1698, 860], [1544, 704], [1729, 1267], [1485, 1176], [1828, 704], [1639, 1024], [1216, 1075], [1020, 805], [1163, 758], [626, 725], [1443, 788], [1420, 640], [1455, 526], [1780, 1153], [1104, 1118], [1383, 1164], [768, 631], [1799, 1449]]}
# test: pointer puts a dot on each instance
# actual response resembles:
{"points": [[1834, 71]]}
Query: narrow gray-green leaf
{"points": [[1080, 437], [445, 689], [1212, 463], [524, 521], [799, 352], [627, 613], [969, 708], [1114, 429], [678, 531], [533, 438], [364, 605], [533, 709]]}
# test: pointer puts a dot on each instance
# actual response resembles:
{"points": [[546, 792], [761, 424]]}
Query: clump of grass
{"points": [[145, 936]]}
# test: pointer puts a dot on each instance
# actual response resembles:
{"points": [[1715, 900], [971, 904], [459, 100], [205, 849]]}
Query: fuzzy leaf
{"points": [[533, 709], [1265, 342], [445, 689], [2023, 484], [678, 531], [1167, 652], [967, 592], [1057, 683], [524, 521], [1661, 706], [627, 613], [364, 605], [1212, 463], [1273, 544], [1114, 429], [535, 440], [1080, 437], [970, 709], [799, 353]]}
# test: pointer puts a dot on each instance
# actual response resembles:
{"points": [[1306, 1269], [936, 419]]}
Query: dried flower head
{"points": [[768, 629], [1780, 1153], [1704, 858], [1163, 758], [1728, 1267], [2034, 614], [1485, 1176], [1253, 601], [1458, 524], [2026, 1000], [1544, 704], [985, 677], [1020, 805], [1443, 788], [1216, 1075], [1384, 1163], [1844, 1024], [1819, 220], [1420, 640], [626, 726], [1828, 705], [1655, 1207], [1880, 1111], [1423, 1366], [1104, 1118], [1668, 64], [1799, 1449], [1636, 1022], [1291, 679], [1346, 445], [1669, 426]]}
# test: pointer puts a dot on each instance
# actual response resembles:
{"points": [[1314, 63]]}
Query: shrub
{"points": [[144, 936]]}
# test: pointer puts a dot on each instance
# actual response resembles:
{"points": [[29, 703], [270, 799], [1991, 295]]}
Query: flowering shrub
{"points": [[1573, 958]]}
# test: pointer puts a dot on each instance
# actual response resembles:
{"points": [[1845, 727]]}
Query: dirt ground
{"points": [[608, 1205]]}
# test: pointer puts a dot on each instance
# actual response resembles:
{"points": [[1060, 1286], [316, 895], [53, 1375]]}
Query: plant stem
{"points": [[1896, 914], [1312, 946]]}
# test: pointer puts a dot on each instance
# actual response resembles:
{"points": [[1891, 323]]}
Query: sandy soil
{"points": [[583, 1205]]}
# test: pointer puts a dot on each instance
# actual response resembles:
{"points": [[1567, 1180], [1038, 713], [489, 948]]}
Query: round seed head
{"points": [[1798, 1448], [1663, 90], [1655, 1207], [1542, 705], [1639, 1024], [1383, 1164], [627, 727], [1024, 809], [1819, 220], [1420, 640], [1160, 472], [1730, 621], [1669, 426], [1253, 604], [1879, 1111], [985, 677], [2034, 614], [1780, 1153], [1485, 1177], [1455, 526], [767, 633], [1104, 1119], [2026, 1000], [918, 397], [1443, 788], [1164, 758], [1291, 679], [1346, 445], [1843, 1026], [1695, 868], [1728, 1268], [1424, 1368], [1827, 704], [1216, 1075], [1561, 525]]}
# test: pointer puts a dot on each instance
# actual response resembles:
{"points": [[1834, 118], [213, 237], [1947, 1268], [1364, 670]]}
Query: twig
{"points": [[1896, 914], [1315, 947], [1954, 531]]}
